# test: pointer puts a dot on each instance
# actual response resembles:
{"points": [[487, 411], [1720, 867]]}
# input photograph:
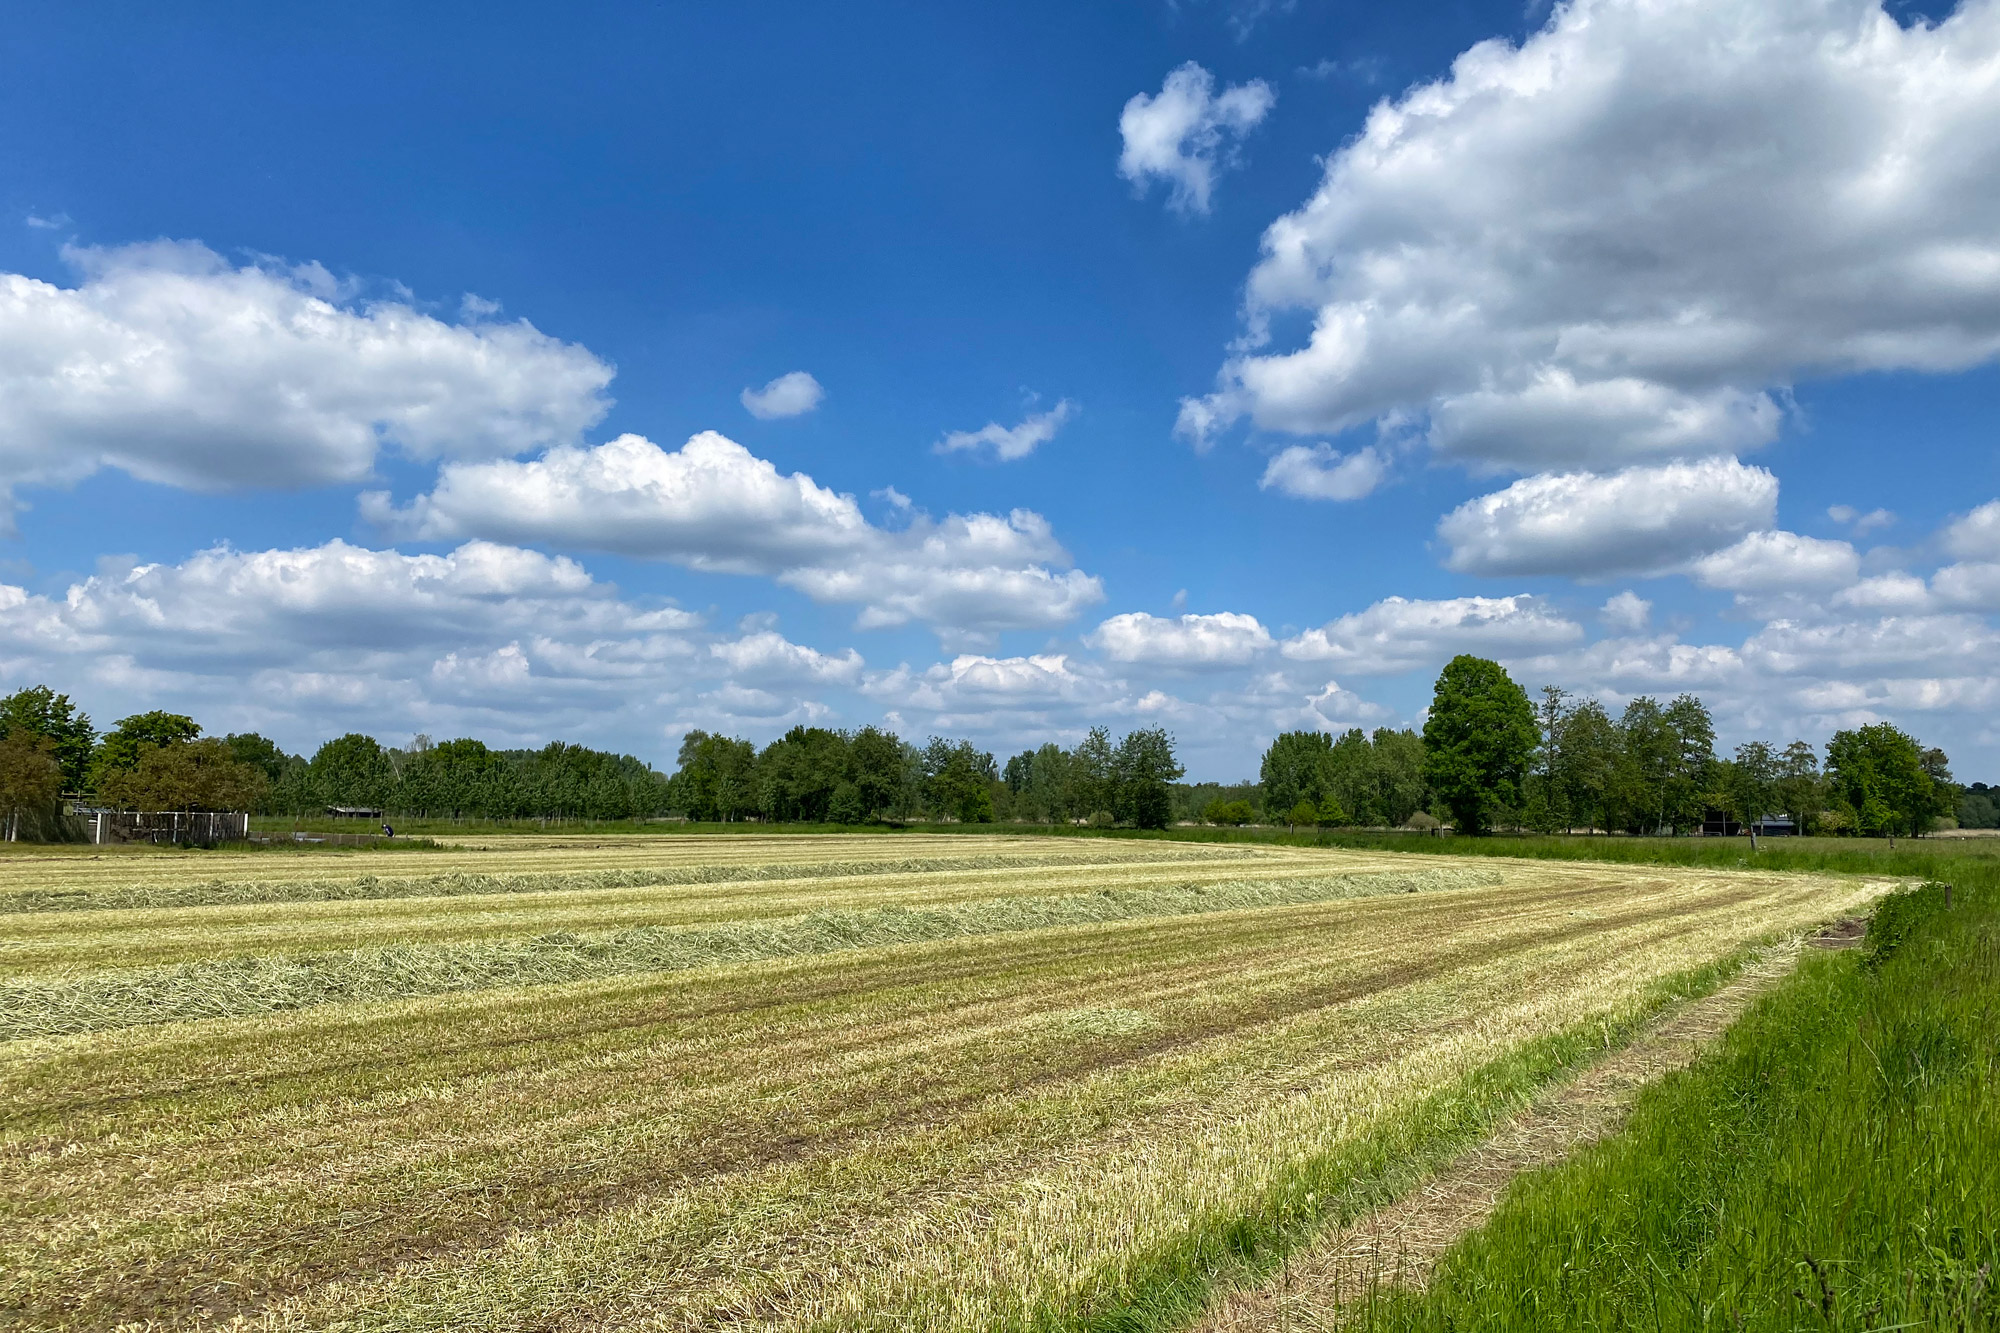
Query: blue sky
{"points": [[1647, 348]]}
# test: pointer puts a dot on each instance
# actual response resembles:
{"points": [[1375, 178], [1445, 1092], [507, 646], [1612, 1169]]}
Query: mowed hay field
{"points": [[838, 1082]]}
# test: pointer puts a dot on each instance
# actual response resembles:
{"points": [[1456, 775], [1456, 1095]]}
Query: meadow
{"points": [[783, 1082]]}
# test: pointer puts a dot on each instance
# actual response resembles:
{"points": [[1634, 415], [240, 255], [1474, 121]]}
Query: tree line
{"points": [[816, 775], [161, 761], [1488, 757]]}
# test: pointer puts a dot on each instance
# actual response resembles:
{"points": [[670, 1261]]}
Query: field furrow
{"points": [[1010, 1122]]}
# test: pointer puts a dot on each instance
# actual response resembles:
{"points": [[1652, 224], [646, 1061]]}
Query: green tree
{"points": [[352, 770], [40, 711], [1478, 741], [1751, 783], [715, 779], [31, 783], [260, 753], [1586, 768], [846, 805], [1692, 754], [1884, 775], [1143, 767], [1046, 795], [958, 781], [875, 766], [1798, 788], [119, 750], [1234, 813], [1397, 771], [189, 775], [1091, 787], [1305, 812], [1296, 768]]}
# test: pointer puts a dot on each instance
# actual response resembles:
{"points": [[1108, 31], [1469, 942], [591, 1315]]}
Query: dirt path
{"points": [[1400, 1243]]}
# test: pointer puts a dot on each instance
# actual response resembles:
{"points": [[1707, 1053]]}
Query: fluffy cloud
{"points": [[1638, 519], [168, 363], [1187, 133], [789, 395], [1780, 562], [770, 657], [1011, 695], [713, 505], [1398, 634], [1977, 535], [1318, 473], [1626, 612], [1010, 442], [1625, 236], [491, 640], [710, 505], [1226, 639]]}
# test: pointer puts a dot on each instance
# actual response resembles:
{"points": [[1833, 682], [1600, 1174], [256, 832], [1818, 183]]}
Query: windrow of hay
{"points": [[219, 892], [269, 983]]}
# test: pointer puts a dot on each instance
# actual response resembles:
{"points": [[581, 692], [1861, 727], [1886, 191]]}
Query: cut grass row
{"points": [[69, 943], [57, 895], [1021, 1129], [270, 983]]}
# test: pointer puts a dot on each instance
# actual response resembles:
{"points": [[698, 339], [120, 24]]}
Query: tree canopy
{"points": [[1478, 741]]}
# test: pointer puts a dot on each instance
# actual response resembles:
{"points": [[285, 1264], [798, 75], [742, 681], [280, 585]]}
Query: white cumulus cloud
{"points": [[1187, 132], [1765, 563], [1639, 519], [1225, 639], [1626, 236], [167, 362], [1317, 472], [1399, 634], [790, 395], [1010, 442], [1976, 536], [713, 505], [1625, 613]]}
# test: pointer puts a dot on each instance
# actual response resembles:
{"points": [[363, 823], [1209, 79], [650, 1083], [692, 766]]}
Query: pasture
{"points": [[780, 1082]]}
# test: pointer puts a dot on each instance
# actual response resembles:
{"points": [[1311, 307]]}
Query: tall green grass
{"points": [[268, 983], [1834, 1164]]}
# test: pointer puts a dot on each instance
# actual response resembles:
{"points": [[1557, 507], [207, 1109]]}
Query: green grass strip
{"points": [[256, 984], [218, 892], [1835, 1164], [1170, 1286]]}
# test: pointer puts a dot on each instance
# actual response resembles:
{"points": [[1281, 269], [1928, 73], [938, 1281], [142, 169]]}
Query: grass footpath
{"points": [[1834, 1164]]}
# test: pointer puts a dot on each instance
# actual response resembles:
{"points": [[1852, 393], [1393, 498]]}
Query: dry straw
{"points": [[218, 892], [256, 984]]}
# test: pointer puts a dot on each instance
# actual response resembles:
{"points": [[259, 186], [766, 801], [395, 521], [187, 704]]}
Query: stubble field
{"points": [[950, 1082]]}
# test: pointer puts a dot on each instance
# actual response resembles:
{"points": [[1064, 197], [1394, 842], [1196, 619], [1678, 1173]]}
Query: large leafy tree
{"points": [[121, 747], [959, 780], [191, 775], [714, 779], [1091, 775], [352, 770], [1297, 767], [1586, 765], [1892, 783], [875, 766], [1692, 755], [1478, 740], [40, 711], [1144, 765], [31, 783]]}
